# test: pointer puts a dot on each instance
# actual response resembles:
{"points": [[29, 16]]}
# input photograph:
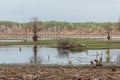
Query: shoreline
{"points": [[91, 43], [55, 36], [11, 72]]}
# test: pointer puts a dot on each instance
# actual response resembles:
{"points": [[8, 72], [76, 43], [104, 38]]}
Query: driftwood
{"points": [[67, 45]]}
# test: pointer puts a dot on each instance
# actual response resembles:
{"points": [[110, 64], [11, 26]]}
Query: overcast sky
{"points": [[60, 10]]}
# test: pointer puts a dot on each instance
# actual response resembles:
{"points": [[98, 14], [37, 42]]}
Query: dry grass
{"points": [[27, 72]]}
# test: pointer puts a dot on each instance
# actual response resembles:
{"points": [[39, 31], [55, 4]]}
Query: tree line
{"points": [[9, 27]]}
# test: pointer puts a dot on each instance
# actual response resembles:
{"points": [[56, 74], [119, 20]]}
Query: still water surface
{"points": [[22, 54]]}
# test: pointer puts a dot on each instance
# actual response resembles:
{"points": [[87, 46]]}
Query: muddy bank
{"points": [[29, 72]]}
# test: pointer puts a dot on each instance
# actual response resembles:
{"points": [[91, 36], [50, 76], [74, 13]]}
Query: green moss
{"points": [[79, 49], [92, 43]]}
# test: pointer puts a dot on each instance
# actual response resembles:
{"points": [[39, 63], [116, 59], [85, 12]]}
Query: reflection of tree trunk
{"points": [[35, 53], [118, 59], [108, 55], [62, 53], [35, 58]]}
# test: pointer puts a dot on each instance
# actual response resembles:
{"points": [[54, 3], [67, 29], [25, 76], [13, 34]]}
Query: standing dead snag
{"points": [[36, 26], [35, 37], [118, 27], [108, 37]]}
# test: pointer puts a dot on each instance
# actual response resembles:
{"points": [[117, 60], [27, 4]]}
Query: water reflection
{"points": [[46, 55], [35, 58], [63, 53], [20, 49], [118, 59], [48, 58], [108, 55], [98, 61], [35, 53]]}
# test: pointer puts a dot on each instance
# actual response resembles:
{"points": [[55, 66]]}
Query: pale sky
{"points": [[60, 10]]}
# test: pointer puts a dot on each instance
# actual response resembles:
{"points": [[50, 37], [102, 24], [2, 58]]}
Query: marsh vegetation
{"points": [[74, 51]]}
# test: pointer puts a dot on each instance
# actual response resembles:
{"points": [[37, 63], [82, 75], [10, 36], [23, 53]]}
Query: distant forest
{"points": [[56, 27]]}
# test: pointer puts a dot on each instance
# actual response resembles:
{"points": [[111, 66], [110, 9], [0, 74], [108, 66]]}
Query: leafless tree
{"points": [[118, 28], [36, 26], [109, 29], [108, 37]]}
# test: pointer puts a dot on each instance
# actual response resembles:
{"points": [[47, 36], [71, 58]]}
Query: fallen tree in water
{"points": [[67, 45]]}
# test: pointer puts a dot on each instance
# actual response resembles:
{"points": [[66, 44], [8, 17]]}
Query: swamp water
{"points": [[27, 54]]}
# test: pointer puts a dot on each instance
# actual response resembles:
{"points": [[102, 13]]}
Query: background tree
{"points": [[15, 29], [109, 30], [108, 36], [118, 28], [36, 26]]}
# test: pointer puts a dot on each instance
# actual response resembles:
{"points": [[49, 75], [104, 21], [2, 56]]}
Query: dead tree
{"points": [[35, 37], [108, 36], [36, 26]]}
